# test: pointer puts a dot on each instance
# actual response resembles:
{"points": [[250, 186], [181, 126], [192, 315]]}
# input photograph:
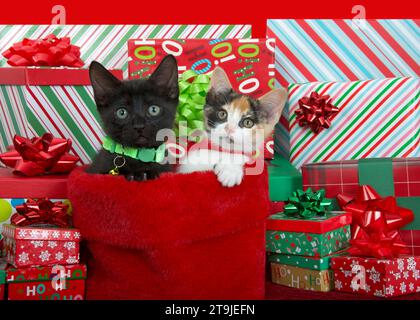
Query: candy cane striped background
{"points": [[69, 111], [342, 50], [376, 118]]}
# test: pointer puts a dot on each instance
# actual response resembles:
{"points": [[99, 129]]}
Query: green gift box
{"points": [[283, 179], [318, 236], [307, 262]]}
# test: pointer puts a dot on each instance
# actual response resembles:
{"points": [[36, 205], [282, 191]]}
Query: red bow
{"points": [[316, 112], [40, 155], [376, 222], [50, 51], [41, 211]]}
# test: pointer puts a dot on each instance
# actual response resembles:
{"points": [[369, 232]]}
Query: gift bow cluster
{"points": [[376, 222], [307, 204], [315, 111], [192, 98], [41, 212], [50, 51], [39, 155]]}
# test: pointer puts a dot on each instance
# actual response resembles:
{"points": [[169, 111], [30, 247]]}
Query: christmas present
{"points": [[335, 121], [318, 236], [249, 64], [375, 276], [389, 177], [295, 277], [55, 100], [306, 262], [40, 246], [15, 190], [47, 283], [61, 101], [283, 179], [169, 232], [340, 50]]}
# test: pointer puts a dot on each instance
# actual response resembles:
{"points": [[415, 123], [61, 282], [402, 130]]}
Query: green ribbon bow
{"points": [[307, 204], [193, 89]]}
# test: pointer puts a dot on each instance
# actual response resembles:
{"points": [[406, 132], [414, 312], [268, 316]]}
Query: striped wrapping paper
{"points": [[70, 111], [341, 50], [376, 119]]}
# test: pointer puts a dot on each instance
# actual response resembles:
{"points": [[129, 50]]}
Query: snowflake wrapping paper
{"points": [[319, 236], [301, 278], [47, 283], [30, 246], [377, 277]]}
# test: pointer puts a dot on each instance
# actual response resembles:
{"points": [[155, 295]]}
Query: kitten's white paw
{"points": [[229, 175]]}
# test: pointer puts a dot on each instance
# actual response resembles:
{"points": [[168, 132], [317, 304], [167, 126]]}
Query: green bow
{"points": [[193, 89], [306, 204]]}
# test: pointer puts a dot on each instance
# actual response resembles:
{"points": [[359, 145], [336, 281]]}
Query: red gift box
{"points": [[249, 63], [32, 246], [377, 277], [47, 283]]}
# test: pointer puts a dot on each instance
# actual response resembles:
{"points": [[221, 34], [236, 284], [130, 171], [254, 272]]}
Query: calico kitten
{"points": [[237, 125], [132, 113]]}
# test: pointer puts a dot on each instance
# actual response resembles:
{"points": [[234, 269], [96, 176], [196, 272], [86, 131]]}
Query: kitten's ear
{"points": [[166, 76], [220, 81], [103, 82], [273, 103]]}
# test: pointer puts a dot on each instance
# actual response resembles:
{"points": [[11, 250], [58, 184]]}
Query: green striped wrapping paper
{"points": [[69, 111]]}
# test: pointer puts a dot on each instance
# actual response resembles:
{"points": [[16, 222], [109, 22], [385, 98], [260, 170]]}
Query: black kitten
{"points": [[132, 113]]}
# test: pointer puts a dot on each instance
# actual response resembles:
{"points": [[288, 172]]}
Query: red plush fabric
{"points": [[177, 237]]}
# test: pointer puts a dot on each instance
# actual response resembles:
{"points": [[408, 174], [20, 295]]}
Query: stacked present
{"points": [[302, 239], [40, 246], [352, 127]]}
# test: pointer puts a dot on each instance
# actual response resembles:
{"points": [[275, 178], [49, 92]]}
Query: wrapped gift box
{"points": [[15, 190], [47, 283], [283, 179], [389, 177], [318, 236], [301, 278], [340, 50], [249, 63], [306, 262], [32, 246], [62, 102], [376, 119], [378, 277]]}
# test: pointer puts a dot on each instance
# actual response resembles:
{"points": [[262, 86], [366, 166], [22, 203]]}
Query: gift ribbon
{"points": [[50, 51], [192, 98], [41, 212], [307, 204], [39, 155], [315, 111], [375, 225]]}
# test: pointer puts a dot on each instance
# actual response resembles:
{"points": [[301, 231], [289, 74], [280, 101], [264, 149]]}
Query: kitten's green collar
{"points": [[142, 154]]}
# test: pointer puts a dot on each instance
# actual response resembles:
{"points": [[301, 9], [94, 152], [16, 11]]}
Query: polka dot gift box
{"points": [[318, 236]]}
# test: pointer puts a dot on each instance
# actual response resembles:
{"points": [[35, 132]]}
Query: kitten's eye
{"points": [[248, 123], [154, 110], [222, 114], [121, 113]]}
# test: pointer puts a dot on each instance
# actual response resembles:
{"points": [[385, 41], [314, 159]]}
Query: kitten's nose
{"points": [[229, 129], [138, 126]]}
